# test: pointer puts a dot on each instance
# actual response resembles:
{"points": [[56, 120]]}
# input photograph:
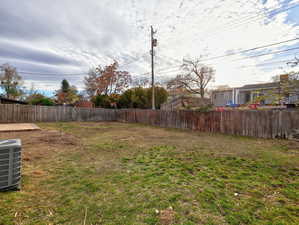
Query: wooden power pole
{"points": [[153, 44]]}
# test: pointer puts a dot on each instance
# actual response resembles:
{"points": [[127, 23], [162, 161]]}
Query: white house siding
{"points": [[222, 98]]}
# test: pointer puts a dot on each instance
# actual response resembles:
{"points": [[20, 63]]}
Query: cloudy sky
{"points": [[54, 39]]}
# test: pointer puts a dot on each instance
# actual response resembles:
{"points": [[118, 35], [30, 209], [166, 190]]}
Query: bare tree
{"points": [[293, 63], [195, 77], [90, 82], [10, 81]]}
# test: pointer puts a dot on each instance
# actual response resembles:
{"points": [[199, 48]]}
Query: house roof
{"points": [[251, 87], [8, 100], [222, 90], [260, 86]]}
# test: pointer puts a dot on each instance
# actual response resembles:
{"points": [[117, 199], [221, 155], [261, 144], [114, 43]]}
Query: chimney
{"points": [[284, 77]]}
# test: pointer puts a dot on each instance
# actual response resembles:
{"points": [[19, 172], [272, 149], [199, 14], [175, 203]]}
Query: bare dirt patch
{"points": [[56, 138], [42, 144]]}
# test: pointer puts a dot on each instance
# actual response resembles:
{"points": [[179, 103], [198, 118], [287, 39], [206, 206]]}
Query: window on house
{"points": [[247, 97]]}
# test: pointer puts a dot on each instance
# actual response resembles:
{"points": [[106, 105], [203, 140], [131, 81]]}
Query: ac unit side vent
{"points": [[3, 184], [4, 162], [3, 173], [4, 156], [10, 164], [3, 178], [4, 151], [5, 167]]}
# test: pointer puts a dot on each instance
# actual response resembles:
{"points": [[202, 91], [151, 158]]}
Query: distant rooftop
{"points": [[4, 100], [261, 86], [223, 89], [251, 86]]}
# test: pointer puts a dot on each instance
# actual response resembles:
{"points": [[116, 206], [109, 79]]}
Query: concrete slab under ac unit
{"points": [[14, 127]]}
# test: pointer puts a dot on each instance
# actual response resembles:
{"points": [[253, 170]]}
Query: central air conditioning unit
{"points": [[10, 164]]}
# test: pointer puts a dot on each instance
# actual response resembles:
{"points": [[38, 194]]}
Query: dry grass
{"points": [[114, 173]]}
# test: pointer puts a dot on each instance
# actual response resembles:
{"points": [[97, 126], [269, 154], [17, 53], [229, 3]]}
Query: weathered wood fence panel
{"points": [[27, 113], [264, 124]]}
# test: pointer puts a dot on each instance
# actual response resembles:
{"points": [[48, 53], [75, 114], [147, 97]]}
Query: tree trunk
{"points": [[202, 92]]}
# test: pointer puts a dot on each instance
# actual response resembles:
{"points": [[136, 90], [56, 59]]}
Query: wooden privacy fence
{"points": [[28, 113], [264, 124]]}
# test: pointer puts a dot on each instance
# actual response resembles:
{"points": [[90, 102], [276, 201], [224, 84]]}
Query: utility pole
{"points": [[153, 44]]}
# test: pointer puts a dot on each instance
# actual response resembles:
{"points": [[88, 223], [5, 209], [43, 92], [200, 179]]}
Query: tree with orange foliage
{"points": [[67, 94], [107, 80]]}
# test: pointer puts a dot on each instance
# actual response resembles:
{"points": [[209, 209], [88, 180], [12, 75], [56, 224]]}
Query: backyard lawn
{"points": [[115, 173]]}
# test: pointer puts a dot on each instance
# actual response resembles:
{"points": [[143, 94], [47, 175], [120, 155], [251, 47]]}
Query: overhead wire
{"points": [[208, 59], [272, 12], [254, 19], [248, 20], [248, 57], [251, 49], [279, 10]]}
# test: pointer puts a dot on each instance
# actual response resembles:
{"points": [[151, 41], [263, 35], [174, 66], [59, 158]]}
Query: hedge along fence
{"points": [[263, 124]]}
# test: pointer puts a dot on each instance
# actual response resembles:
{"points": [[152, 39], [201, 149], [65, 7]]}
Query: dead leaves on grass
{"points": [[38, 173], [166, 216], [56, 138]]}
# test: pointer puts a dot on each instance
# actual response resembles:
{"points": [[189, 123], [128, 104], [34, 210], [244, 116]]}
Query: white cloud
{"points": [[96, 32]]}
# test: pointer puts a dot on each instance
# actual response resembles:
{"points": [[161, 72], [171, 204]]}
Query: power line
{"points": [[276, 52], [247, 50], [245, 20], [25, 72], [241, 23], [242, 67], [249, 20], [37, 73], [293, 6], [267, 63], [82, 73], [193, 7], [251, 49], [270, 53], [135, 60]]}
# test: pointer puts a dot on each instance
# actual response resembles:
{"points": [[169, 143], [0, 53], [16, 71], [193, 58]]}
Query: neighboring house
{"points": [[248, 93], [4, 100], [222, 97], [266, 92], [181, 98], [176, 92], [185, 102]]}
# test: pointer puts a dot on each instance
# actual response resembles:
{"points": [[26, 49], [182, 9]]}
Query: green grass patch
{"points": [[125, 174]]}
